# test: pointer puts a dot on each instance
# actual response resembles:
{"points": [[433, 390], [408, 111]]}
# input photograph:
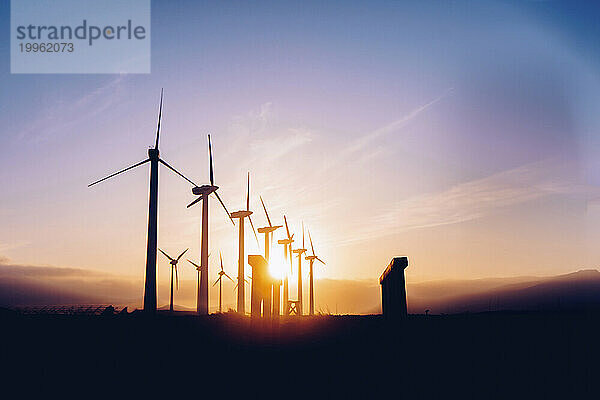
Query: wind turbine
{"points": [[241, 295], [311, 260], [198, 268], [267, 230], [299, 252], [204, 192], [174, 262], [245, 281], [154, 159], [220, 282], [287, 243]]}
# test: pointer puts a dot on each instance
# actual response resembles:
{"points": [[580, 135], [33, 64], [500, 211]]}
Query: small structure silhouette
{"points": [[393, 289]]}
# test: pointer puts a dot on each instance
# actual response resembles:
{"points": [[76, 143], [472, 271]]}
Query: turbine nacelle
{"points": [[269, 229], [153, 153], [310, 258], [285, 241], [241, 214], [299, 251], [204, 190]]}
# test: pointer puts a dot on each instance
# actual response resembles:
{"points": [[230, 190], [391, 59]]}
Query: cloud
{"points": [[360, 143], [474, 199], [22, 285], [60, 116]]}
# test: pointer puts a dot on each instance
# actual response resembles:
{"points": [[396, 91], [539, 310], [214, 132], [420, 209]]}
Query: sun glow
{"points": [[277, 266]]}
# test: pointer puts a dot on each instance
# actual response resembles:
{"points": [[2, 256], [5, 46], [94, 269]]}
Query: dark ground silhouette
{"points": [[488, 355]]}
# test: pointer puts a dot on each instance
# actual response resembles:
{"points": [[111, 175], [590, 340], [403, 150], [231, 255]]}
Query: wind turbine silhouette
{"points": [[220, 282], [311, 260], [204, 192], [237, 283], [198, 268], [154, 159], [174, 262], [267, 230], [287, 244], [241, 295], [299, 253]]}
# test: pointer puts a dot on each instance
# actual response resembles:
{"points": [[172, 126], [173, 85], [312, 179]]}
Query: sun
{"points": [[277, 266]]}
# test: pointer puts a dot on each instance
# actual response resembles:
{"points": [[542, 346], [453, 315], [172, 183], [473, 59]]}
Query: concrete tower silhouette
{"points": [[311, 260], [154, 159], [173, 262], [219, 280], [299, 253], [204, 193], [287, 245], [241, 295]]}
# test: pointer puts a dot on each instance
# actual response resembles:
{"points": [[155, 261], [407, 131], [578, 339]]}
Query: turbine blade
{"points": [[302, 234], [193, 263], [318, 259], [159, 118], [195, 201], [163, 162], [120, 172], [286, 227], [248, 194], [266, 213], [224, 208], [229, 278], [176, 278], [254, 230], [212, 178], [217, 281], [221, 257], [311, 243], [178, 258], [166, 255]]}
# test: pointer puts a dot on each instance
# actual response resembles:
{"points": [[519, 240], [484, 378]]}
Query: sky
{"points": [[461, 134]]}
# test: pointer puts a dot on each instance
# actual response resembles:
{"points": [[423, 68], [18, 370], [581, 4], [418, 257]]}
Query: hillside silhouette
{"points": [[577, 290]]}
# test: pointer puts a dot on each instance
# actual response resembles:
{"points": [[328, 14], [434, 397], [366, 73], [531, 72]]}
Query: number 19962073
{"points": [[46, 47]]}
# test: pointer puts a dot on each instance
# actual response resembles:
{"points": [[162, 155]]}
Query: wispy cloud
{"points": [[60, 116], [474, 199], [361, 143]]}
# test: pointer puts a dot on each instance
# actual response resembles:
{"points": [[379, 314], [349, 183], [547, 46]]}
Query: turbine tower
{"points": [[299, 253], [287, 244], [198, 268], [268, 231], [220, 282], [241, 295], [311, 260], [154, 159], [174, 262], [204, 192]]}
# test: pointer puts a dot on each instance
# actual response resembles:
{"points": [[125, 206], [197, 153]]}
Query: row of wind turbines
{"points": [[203, 192]]}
